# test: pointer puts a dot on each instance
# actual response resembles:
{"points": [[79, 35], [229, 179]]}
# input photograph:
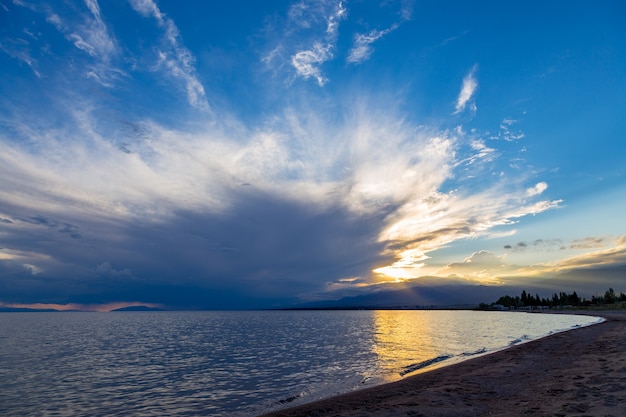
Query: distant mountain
{"points": [[426, 293], [27, 310], [138, 308]]}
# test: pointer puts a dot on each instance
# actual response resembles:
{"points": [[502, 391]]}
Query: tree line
{"points": [[557, 300]]}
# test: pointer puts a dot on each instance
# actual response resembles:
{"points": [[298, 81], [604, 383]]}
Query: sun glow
{"points": [[410, 264], [399, 273]]}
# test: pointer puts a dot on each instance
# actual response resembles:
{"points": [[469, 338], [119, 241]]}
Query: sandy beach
{"points": [[581, 372]]}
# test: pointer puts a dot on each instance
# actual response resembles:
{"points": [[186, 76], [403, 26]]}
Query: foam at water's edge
{"points": [[416, 366], [476, 352]]}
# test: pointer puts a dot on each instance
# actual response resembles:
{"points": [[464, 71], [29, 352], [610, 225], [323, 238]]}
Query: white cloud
{"points": [[147, 8], [479, 262], [362, 46], [430, 222], [406, 12], [20, 49], [308, 39], [506, 131], [538, 189], [90, 34], [97, 39], [365, 164], [86, 30], [34, 270], [307, 62], [481, 153], [469, 87], [362, 49], [533, 208], [332, 21], [173, 57]]}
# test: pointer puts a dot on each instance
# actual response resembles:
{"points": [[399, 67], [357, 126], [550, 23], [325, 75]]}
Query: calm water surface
{"points": [[233, 363]]}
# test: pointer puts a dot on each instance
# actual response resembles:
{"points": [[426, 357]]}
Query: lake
{"points": [[234, 363]]}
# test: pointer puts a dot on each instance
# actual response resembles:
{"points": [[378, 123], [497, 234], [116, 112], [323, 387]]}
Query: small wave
{"points": [[524, 338], [416, 366], [290, 399], [365, 379], [476, 352]]}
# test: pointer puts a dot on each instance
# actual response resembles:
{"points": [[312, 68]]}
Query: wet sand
{"points": [[581, 372]]}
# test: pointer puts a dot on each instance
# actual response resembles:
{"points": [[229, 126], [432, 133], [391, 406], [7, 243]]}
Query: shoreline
{"points": [[577, 372]]}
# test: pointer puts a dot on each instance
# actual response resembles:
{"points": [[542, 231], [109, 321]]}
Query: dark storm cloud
{"points": [[62, 227], [267, 247], [263, 247]]}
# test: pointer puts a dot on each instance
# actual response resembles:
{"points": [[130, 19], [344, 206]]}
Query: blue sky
{"points": [[256, 154]]}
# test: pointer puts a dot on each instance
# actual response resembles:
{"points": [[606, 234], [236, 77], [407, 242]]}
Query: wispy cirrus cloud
{"points": [[20, 49], [362, 48], [82, 25], [172, 56], [468, 89], [94, 37], [91, 35], [106, 61], [480, 154], [307, 39], [307, 61], [506, 131]]}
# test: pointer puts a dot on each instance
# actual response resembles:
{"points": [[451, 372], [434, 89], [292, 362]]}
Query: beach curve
{"points": [[571, 373]]}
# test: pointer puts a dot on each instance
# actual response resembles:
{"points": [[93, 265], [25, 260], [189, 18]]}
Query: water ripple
{"points": [[229, 363]]}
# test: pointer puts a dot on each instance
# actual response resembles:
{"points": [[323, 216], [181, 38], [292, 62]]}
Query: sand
{"points": [[581, 372]]}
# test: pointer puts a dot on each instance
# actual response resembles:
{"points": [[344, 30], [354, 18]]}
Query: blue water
{"points": [[233, 363]]}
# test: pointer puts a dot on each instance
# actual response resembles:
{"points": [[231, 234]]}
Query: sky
{"points": [[246, 154]]}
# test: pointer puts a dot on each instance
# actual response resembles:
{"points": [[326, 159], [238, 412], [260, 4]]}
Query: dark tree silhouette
{"points": [[558, 300]]}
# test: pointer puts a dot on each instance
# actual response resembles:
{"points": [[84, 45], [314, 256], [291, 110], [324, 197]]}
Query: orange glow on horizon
{"points": [[101, 308]]}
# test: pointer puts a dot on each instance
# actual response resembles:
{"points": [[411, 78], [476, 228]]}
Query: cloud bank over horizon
{"points": [[129, 176]]}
